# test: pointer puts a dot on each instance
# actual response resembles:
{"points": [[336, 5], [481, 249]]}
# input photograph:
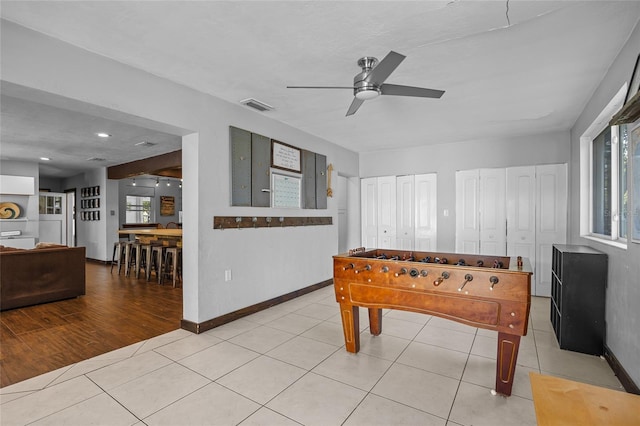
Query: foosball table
{"points": [[490, 292]]}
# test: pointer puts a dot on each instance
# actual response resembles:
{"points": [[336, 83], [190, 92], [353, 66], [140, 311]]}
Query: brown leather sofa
{"points": [[40, 275]]}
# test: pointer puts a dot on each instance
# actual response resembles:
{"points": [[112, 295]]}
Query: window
{"points": [[601, 185], [623, 187], [604, 198], [138, 209], [50, 204], [608, 212]]}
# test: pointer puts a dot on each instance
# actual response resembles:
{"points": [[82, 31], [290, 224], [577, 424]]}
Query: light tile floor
{"points": [[287, 365]]}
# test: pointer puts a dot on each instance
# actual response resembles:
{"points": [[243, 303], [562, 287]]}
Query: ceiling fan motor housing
{"points": [[363, 89]]}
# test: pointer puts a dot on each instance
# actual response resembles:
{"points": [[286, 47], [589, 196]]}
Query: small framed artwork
{"points": [[634, 84], [285, 156], [167, 206]]}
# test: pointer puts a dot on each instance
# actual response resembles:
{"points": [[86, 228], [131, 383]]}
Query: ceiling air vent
{"points": [[145, 144], [96, 159], [256, 104]]}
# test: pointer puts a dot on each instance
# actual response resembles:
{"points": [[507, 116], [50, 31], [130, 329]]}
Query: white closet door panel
{"points": [[426, 216], [405, 212], [369, 212], [493, 232], [521, 212], [527, 250], [467, 225], [387, 212], [551, 223]]}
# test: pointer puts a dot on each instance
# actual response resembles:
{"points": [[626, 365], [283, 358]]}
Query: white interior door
{"points": [[551, 220], [387, 212], [405, 212], [53, 218], [467, 225], [426, 212], [71, 219], [493, 227], [343, 219], [521, 213], [369, 212]]}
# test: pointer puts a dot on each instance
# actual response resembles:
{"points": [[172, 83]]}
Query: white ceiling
{"points": [[508, 68], [31, 130]]}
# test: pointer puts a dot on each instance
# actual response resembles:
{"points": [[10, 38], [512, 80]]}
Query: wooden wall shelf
{"points": [[240, 222], [629, 112]]}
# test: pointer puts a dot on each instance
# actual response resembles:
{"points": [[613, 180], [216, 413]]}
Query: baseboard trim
{"points": [[201, 327], [102, 262], [620, 372]]}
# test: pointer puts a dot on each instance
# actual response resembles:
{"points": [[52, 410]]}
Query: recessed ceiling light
{"points": [[103, 135], [45, 158]]}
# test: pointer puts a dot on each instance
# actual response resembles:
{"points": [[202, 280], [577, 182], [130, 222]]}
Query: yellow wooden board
{"points": [[152, 231], [560, 402]]}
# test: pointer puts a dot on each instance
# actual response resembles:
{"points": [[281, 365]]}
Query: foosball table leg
{"points": [[508, 345], [351, 326], [375, 321]]}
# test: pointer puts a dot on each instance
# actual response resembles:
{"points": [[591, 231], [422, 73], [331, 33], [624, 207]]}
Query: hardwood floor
{"points": [[116, 311]]}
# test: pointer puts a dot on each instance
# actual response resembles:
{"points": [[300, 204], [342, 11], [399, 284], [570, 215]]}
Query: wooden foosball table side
{"points": [[499, 300]]}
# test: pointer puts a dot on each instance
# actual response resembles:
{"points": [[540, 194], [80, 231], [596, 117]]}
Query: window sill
{"points": [[612, 243]]}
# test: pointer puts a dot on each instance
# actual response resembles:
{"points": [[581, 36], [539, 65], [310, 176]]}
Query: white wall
{"points": [[446, 159], [28, 203], [623, 291], [265, 262], [92, 234], [51, 184]]}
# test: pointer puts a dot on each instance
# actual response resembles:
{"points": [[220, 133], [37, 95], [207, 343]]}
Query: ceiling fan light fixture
{"points": [[366, 94]]}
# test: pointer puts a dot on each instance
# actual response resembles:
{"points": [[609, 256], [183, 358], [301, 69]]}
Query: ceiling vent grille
{"points": [[145, 144], [256, 104], [96, 159]]}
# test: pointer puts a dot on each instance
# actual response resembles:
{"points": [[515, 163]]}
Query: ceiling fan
{"points": [[370, 83]]}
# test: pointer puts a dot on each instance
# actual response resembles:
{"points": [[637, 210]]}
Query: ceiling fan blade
{"points": [[384, 69], [320, 87], [420, 92], [354, 106]]}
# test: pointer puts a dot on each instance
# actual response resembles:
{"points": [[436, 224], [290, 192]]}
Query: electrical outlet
{"points": [[227, 275]]}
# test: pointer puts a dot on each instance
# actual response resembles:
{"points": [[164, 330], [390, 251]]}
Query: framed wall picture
{"points": [[167, 206], [285, 156]]}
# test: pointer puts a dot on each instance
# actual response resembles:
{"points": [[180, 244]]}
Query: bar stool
{"points": [[129, 256], [172, 257], [145, 258], [118, 255], [155, 261], [135, 258]]}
